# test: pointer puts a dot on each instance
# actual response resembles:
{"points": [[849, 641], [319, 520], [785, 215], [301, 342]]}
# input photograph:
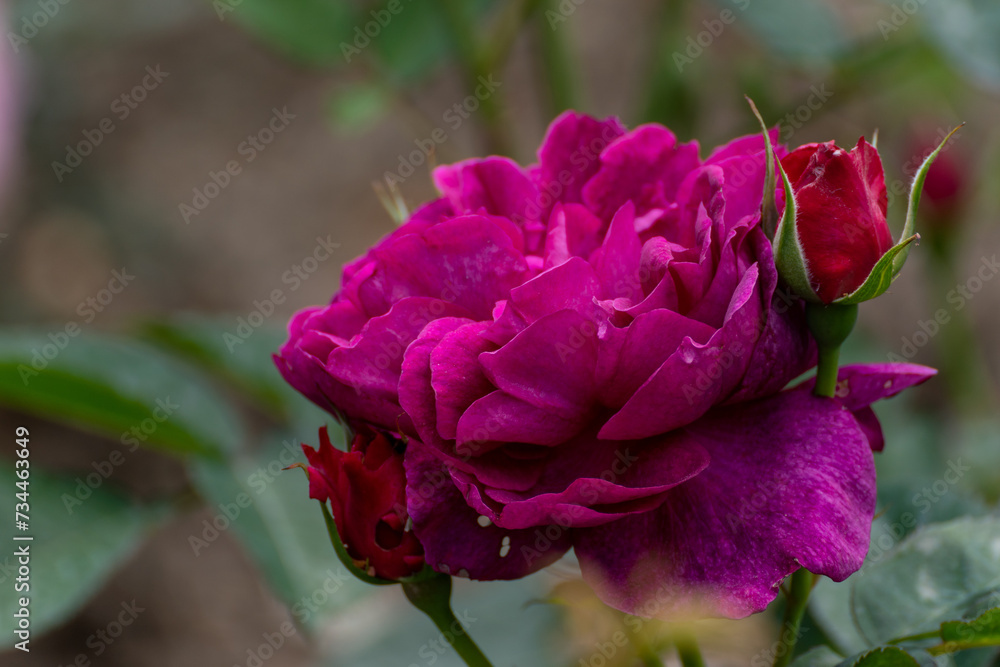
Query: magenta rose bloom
{"points": [[591, 352]]}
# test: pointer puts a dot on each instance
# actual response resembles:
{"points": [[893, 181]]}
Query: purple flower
{"points": [[590, 352]]}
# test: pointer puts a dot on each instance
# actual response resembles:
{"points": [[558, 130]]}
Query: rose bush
{"points": [[591, 352]]}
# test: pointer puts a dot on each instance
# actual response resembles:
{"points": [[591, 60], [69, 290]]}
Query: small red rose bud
{"points": [[832, 244], [366, 489], [840, 203]]}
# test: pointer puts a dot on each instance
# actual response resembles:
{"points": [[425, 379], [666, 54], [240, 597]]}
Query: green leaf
{"points": [[911, 210], [244, 363], [880, 277], [359, 105], [942, 572], [818, 656], [123, 389], [278, 524], [962, 635], [309, 31], [77, 545], [888, 656], [415, 42]]}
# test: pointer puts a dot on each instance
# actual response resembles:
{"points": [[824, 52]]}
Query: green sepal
{"points": [[880, 277], [788, 257], [768, 206], [915, 190]]}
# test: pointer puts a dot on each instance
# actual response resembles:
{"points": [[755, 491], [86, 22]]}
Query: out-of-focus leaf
{"points": [[244, 363], [968, 31], [818, 656], [77, 545], [940, 573], [493, 611], [271, 512], [414, 41], [888, 656], [309, 31], [123, 389], [359, 105], [807, 29]]}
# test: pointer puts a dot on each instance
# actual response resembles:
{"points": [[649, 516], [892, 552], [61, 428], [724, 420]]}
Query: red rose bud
{"points": [[840, 203], [832, 244], [366, 489]]}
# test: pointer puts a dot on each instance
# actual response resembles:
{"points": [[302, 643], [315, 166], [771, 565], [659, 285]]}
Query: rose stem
{"points": [[688, 651], [830, 326], [433, 597], [797, 599]]}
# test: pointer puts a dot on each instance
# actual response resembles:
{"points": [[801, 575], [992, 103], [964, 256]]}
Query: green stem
{"points": [[830, 326], [650, 659], [688, 651], [826, 371], [477, 64], [798, 598], [433, 597], [557, 64]]}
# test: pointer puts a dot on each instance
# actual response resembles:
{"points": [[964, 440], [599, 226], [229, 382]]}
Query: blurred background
{"points": [[179, 177]]}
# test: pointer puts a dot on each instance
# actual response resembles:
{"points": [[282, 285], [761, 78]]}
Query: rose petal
{"points": [[485, 552], [469, 261], [570, 153], [791, 483]]}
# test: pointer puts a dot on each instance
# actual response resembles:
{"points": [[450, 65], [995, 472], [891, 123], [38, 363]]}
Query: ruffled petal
{"points": [[645, 166], [570, 153], [362, 378], [696, 376], [588, 482], [457, 541], [470, 261], [791, 484], [496, 185]]}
